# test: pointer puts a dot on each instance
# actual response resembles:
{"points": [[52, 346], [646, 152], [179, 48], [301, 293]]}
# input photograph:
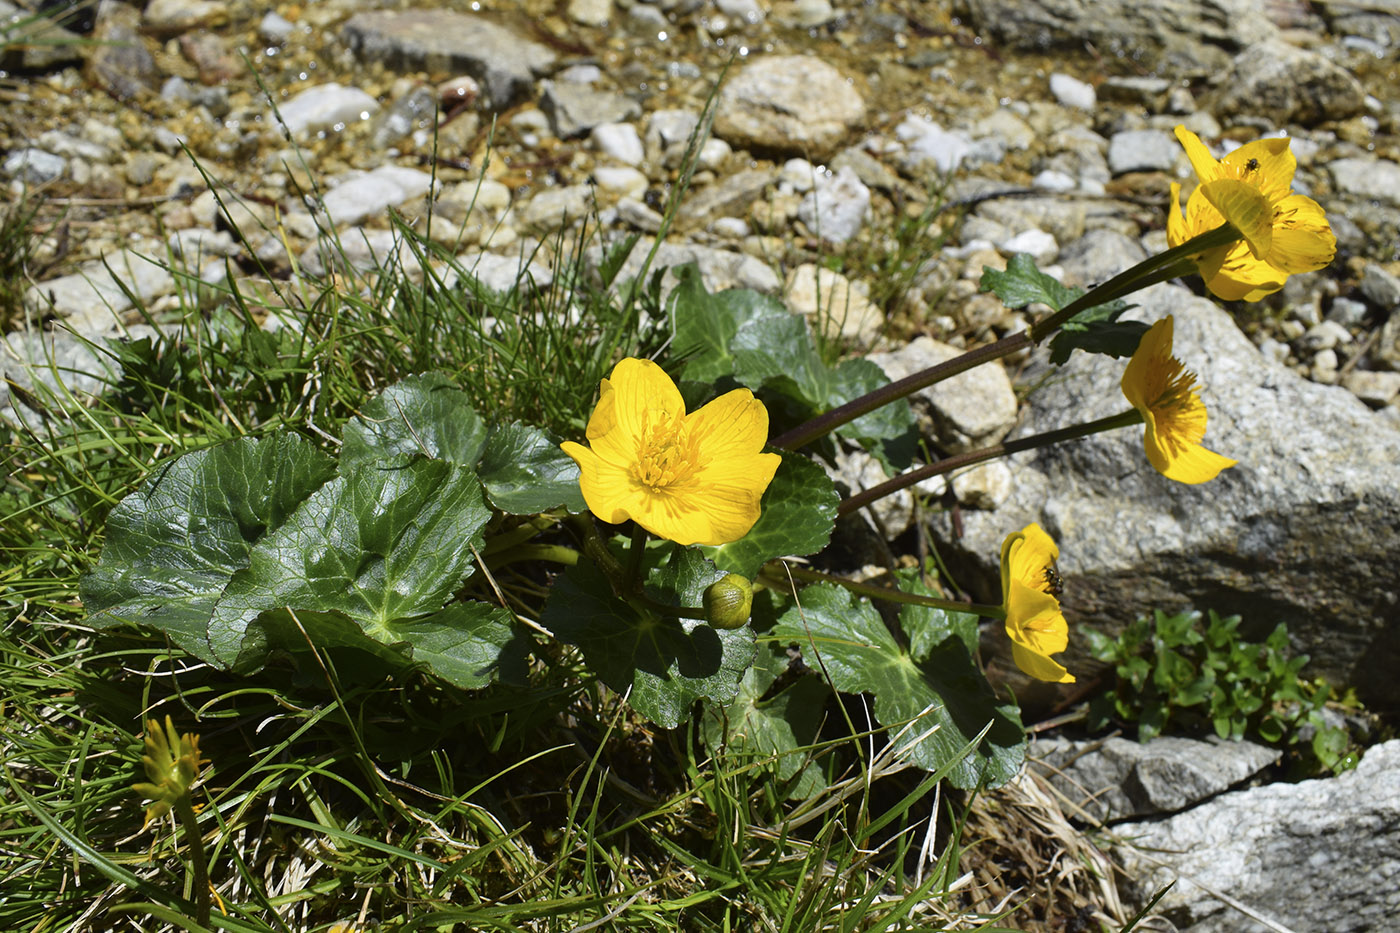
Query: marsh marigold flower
{"points": [[1164, 392], [1251, 187], [1034, 622], [693, 478], [172, 762]]}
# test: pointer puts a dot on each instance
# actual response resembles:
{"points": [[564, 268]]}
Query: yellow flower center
{"points": [[1178, 387], [666, 455]]}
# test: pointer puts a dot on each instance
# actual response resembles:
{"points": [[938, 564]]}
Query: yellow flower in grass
{"points": [[172, 763], [1251, 187], [1164, 392], [1034, 622], [693, 478]]}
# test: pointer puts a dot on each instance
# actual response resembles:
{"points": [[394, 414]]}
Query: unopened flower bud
{"points": [[728, 601]]}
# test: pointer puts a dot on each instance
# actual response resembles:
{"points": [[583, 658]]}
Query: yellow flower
{"points": [[1164, 392], [1034, 622], [1283, 232], [693, 478], [172, 763]]}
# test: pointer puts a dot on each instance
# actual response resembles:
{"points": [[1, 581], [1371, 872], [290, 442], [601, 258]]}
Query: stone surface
{"points": [[370, 194], [503, 61], [93, 298], [788, 103], [1285, 84], [1301, 531], [325, 107], [837, 207], [833, 304], [1118, 778], [1142, 151], [118, 61], [1180, 36], [970, 411], [619, 141], [574, 109], [1374, 179], [1321, 855], [719, 269]]}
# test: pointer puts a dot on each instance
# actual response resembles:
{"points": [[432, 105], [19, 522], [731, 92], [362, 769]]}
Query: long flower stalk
{"points": [[904, 480], [1163, 267]]}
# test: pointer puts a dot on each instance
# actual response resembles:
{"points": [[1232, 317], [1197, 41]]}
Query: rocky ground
{"points": [[229, 137]]}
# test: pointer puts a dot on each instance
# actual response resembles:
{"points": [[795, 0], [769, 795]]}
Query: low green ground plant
{"points": [[1193, 673]]}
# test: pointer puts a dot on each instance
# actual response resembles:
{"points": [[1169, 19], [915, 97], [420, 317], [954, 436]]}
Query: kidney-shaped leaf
{"points": [[945, 696], [525, 472], [174, 543], [667, 663], [421, 415], [798, 513], [383, 541]]}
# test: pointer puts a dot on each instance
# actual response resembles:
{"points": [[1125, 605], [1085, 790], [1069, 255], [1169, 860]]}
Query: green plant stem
{"points": [[1160, 268], [632, 576], [775, 576], [554, 553], [199, 868], [1121, 420]]}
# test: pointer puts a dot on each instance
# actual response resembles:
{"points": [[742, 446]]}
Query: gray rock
{"points": [[619, 141], [731, 196], [837, 207], [1142, 151], [1117, 778], [1144, 90], [35, 43], [35, 166], [442, 41], [57, 368], [1285, 84], [553, 208], [636, 214], [93, 298], [1301, 531], [970, 411], [370, 194], [1063, 219], [325, 107], [1098, 256], [1373, 388], [1380, 286], [590, 12], [72, 147], [416, 110], [927, 143], [118, 61], [834, 305], [668, 135], [574, 109], [505, 273], [1176, 36], [1319, 855], [1071, 92], [1347, 312], [360, 250], [788, 103], [275, 28], [1374, 179], [719, 269], [171, 17], [1037, 244]]}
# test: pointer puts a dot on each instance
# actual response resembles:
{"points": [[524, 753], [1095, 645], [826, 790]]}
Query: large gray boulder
{"points": [[1302, 531], [1175, 36], [505, 62], [1320, 856]]}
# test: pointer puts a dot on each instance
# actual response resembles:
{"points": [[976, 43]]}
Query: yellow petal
{"points": [[735, 424], [1039, 666], [1303, 240], [1233, 274], [606, 486], [1268, 164], [1142, 380], [641, 387], [1202, 162], [1245, 207], [1188, 463]]}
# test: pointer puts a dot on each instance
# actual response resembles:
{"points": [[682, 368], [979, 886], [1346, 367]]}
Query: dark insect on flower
{"points": [[1252, 165], [1054, 583]]}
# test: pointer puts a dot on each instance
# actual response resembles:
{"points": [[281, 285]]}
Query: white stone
{"points": [[623, 181], [985, 486], [372, 193], [619, 141], [1071, 92], [834, 303], [1039, 244], [325, 107], [590, 12], [837, 207], [926, 141]]}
